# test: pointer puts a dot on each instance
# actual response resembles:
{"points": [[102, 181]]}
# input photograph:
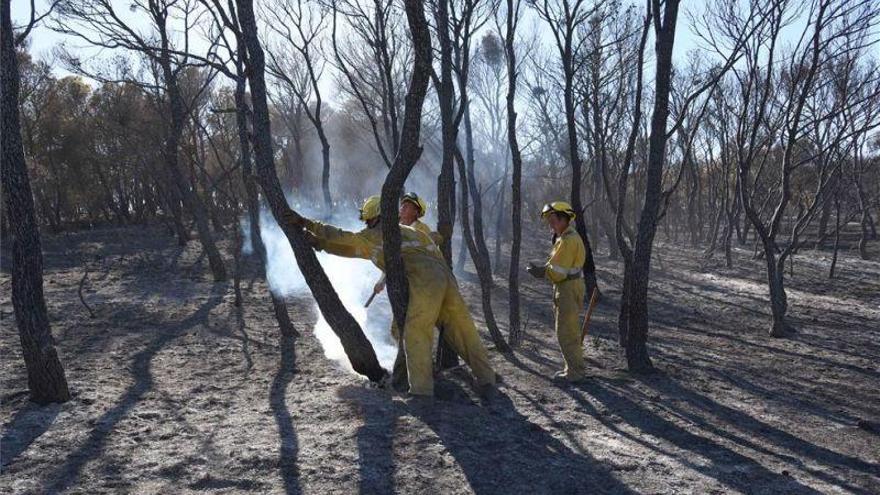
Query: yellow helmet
{"points": [[414, 198], [558, 207], [370, 209]]}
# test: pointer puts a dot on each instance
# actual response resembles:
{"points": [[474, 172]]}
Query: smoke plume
{"points": [[353, 280]]}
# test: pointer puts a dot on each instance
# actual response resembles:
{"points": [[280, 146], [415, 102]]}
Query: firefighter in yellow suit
{"points": [[565, 270], [412, 209], [433, 294]]}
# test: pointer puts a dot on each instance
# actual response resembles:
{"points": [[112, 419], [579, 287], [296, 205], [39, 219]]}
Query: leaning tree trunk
{"points": [[279, 307], [355, 344], [515, 331], [46, 380], [480, 253], [407, 155]]}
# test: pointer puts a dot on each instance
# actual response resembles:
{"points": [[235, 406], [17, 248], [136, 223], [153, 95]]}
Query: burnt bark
{"points": [[407, 155], [479, 253], [446, 357], [46, 380], [516, 331], [358, 349], [576, 163], [635, 325], [836, 237]]}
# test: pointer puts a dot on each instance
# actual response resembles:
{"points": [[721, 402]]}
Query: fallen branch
{"points": [[79, 292]]}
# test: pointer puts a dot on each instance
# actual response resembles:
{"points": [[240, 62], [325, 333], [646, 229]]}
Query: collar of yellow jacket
{"points": [[569, 231]]}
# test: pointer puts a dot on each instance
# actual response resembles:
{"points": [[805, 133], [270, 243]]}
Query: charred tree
{"points": [[407, 155], [516, 331], [358, 349], [564, 21], [46, 380], [446, 357]]}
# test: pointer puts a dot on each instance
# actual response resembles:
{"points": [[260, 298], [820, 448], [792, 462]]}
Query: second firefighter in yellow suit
{"points": [[433, 295], [564, 269], [412, 209]]}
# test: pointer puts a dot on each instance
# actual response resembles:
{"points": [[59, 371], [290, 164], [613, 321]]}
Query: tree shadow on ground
{"points": [[497, 448], [795, 392], [67, 473], [288, 445], [26, 426], [747, 431], [725, 465], [375, 438]]}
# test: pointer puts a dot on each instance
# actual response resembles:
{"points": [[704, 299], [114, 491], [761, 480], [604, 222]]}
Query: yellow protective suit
{"points": [[433, 297], [423, 227], [564, 269], [437, 238]]}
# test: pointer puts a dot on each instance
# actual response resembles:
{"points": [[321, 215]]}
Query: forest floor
{"points": [[177, 391]]}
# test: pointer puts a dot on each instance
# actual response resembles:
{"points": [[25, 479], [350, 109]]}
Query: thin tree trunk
{"points": [[477, 244], [279, 307], [463, 251], [576, 174], [446, 356], [499, 219], [515, 330], [821, 232], [836, 237], [46, 380], [863, 221]]}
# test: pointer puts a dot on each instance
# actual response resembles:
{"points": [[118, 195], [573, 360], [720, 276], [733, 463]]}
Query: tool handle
{"points": [[594, 297], [370, 300]]}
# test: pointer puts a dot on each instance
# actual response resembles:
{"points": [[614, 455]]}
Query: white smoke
{"points": [[353, 280]]}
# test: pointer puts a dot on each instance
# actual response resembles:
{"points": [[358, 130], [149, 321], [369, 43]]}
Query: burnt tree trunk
{"points": [[407, 155], [778, 300], [499, 218], [446, 357], [46, 380], [836, 237], [358, 349], [173, 202], [636, 290], [515, 331], [279, 307], [479, 253], [864, 220], [576, 166]]}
